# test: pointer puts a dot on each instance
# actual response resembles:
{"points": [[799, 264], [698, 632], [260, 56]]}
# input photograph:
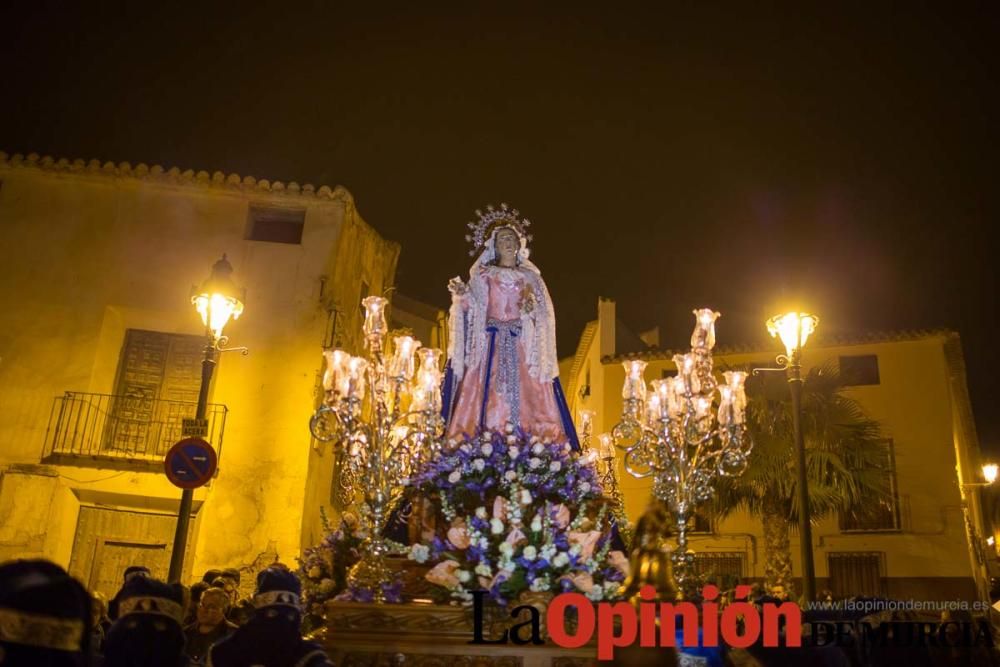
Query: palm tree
{"points": [[846, 462]]}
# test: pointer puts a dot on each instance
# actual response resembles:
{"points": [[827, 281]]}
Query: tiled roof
{"points": [[829, 340], [173, 176]]}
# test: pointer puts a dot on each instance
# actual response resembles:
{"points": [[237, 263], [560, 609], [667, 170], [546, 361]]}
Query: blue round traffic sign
{"points": [[190, 463]]}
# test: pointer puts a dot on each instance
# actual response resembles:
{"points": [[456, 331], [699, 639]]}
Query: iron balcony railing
{"points": [[122, 430]]}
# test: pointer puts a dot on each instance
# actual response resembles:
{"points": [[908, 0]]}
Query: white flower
{"points": [[611, 586], [561, 559], [525, 497], [513, 452], [540, 584], [479, 464], [496, 526], [584, 486], [484, 570], [509, 427], [481, 512], [405, 481], [487, 435], [455, 476], [596, 594], [529, 553], [536, 524], [548, 551], [464, 576], [419, 553], [555, 466], [466, 448], [487, 449], [535, 462], [538, 447], [506, 548], [510, 475]]}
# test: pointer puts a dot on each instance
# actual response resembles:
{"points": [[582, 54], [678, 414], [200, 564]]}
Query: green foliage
{"points": [[845, 451]]}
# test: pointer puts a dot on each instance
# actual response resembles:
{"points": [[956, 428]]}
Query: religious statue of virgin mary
{"points": [[502, 363]]}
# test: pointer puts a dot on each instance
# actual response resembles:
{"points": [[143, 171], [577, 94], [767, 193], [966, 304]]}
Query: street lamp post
{"points": [[794, 329], [217, 301]]}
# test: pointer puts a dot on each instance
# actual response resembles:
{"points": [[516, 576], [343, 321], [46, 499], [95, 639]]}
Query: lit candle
{"points": [[607, 448], [725, 415], [430, 358], [686, 371], [704, 328], [702, 406], [736, 380], [356, 368], [374, 315], [675, 391], [635, 385], [335, 366], [401, 367], [654, 411]]}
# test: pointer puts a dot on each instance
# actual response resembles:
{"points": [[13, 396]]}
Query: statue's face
{"points": [[507, 245]]}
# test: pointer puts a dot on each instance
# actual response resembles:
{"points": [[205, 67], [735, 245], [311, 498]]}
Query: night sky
{"points": [[745, 159]]}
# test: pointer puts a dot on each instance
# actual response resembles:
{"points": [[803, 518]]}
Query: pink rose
{"points": [[514, 536], [581, 580], [443, 574], [458, 534], [618, 561], [500, 508], [587, 542], [561, 515]]}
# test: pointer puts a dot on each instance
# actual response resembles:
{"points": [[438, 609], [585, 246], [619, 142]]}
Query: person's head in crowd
{"points": [[135, 571], [45, 616], [99, 608], [195, 592], [212, 608], [278, 595], [148, 631], [211, 575]]}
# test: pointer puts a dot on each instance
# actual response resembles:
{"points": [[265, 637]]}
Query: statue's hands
{"points": [[527, 299], [457, 287]]}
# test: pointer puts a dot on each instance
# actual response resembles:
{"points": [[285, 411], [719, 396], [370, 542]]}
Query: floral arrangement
{"points": [[517, 515], [323, 570]]}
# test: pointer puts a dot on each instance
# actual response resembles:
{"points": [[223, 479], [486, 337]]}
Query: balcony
{"points": [[122, 432]]}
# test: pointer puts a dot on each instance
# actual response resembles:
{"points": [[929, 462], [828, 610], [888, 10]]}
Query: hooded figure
{"points": [[148, 631], [45, 616], [272, 637], [130, 571]]}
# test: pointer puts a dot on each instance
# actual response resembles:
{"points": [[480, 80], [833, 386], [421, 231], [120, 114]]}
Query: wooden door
{"points": [[108, 540]]}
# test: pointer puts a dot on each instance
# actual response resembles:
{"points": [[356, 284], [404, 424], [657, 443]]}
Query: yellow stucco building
{"points": [[930, 546], [100, 354]]}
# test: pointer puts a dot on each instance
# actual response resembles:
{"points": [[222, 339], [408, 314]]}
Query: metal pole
{"points": [[187, 496], [805, 527]]}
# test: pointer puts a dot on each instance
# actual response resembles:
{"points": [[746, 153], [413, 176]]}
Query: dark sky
{"points": [[743, 158]]}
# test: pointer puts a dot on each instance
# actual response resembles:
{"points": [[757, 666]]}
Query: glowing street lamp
{"points": [[218, 300], [990, 472], [794, 330]]}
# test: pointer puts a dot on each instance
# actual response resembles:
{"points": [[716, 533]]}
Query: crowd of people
{"points": [[48, 618]]}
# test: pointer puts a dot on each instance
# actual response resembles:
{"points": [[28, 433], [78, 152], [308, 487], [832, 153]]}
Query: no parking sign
{"points": [[190, 463]]}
